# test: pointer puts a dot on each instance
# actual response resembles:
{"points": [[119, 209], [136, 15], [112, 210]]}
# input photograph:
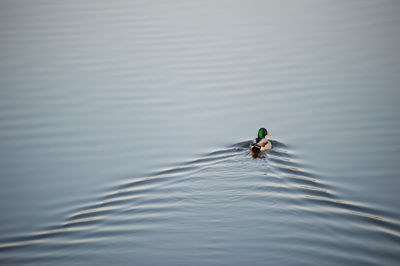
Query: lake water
{"points": [[124, 132]]}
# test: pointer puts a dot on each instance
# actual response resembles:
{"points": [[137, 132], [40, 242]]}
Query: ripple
{"points": [[191, 194], [98, 97]]}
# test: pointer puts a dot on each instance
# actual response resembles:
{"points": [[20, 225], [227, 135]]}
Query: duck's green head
{"points": [[262, 132]]}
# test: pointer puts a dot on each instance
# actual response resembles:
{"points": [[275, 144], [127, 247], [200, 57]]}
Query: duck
{"points": [[260, 143]]}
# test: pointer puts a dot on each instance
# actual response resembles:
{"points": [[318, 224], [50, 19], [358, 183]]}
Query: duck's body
{"points": [[260, 144]]}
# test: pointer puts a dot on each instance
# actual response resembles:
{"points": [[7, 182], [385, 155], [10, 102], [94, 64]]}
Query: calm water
{"points": [[124, 131]]}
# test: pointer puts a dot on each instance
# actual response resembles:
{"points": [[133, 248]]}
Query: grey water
{"points": [[125, 125]]}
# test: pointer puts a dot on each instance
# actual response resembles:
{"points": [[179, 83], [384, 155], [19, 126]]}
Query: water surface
{"points": [[124, 132]]}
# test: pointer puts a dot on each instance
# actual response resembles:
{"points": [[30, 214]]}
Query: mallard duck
{"points": [[260, 144]]}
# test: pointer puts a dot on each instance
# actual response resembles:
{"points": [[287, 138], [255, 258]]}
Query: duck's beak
{"points": [[269, 134]]}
